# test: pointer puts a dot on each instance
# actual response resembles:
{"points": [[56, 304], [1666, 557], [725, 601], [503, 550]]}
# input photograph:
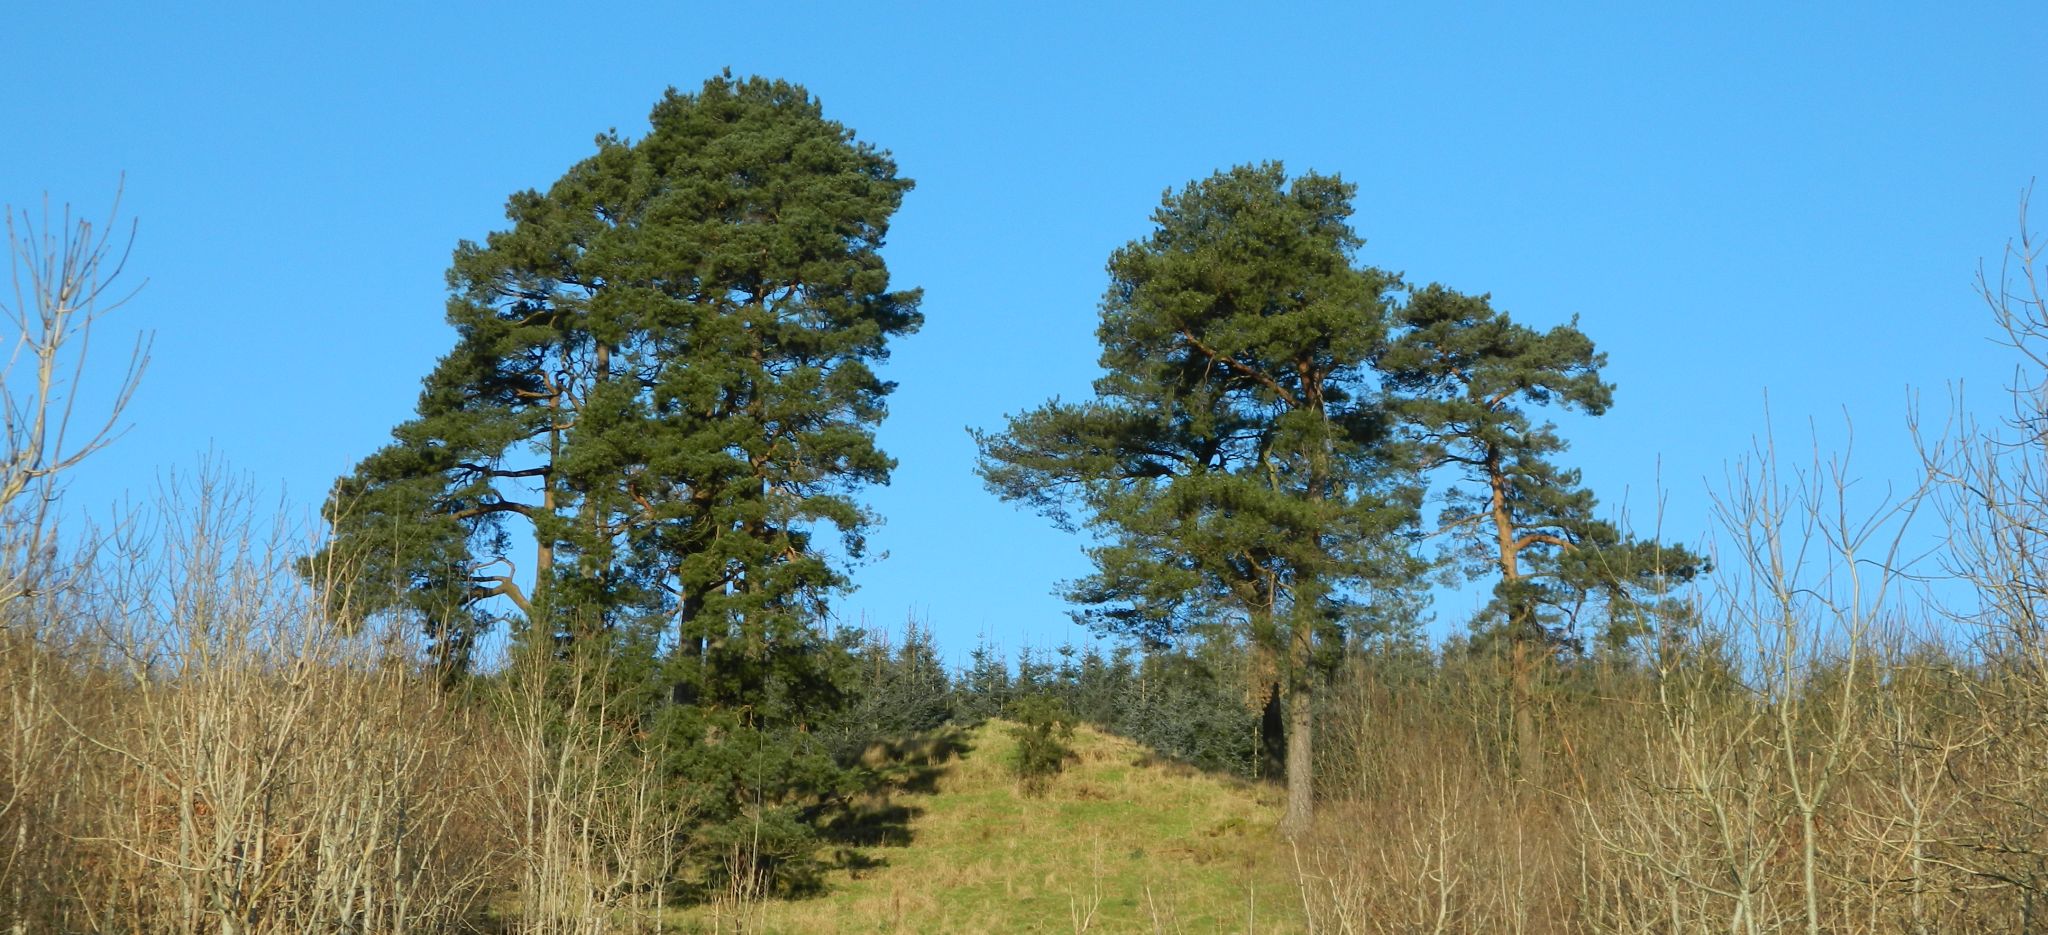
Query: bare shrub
{"points": [[245, 766], [62, 281], [1993, 501], [1839, 736], [594, 831], [231, 758]]}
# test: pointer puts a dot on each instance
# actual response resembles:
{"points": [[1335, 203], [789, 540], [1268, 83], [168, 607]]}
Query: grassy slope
{"points": [[1120, 842]]}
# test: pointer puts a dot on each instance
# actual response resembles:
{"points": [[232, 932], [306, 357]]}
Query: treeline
{"points": [[1191, 704], [639, 472]]}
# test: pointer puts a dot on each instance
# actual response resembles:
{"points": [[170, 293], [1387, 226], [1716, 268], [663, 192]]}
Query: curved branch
{"points": [[1545, 539], [1254, 374], [504, 586], [499, 506]]}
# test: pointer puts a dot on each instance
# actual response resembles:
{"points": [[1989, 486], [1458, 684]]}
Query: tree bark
{"points": [[1301, 793], [1522, 691], [544, 547], [1522, 658]]}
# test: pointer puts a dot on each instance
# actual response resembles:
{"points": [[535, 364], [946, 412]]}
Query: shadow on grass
{"points": [[876, 816]]}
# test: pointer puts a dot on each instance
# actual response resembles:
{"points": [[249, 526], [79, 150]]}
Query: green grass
{"points": [[1119, 842]]}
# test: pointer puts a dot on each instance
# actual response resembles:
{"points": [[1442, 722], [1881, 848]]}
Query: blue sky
{"points": [[1732, 199]]}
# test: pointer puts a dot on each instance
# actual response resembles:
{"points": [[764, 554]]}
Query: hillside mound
{"points": [[1120, 841]]}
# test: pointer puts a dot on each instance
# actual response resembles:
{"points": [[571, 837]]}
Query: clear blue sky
{"points": [[1731, 198]]}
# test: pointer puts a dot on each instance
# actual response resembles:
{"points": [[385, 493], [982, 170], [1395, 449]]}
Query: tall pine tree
{"points": [[1233, 462], [1465, 378], [662, 395], [662, 385]]}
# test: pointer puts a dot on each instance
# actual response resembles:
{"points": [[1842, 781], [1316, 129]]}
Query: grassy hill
{"points": [[1120, 842]]}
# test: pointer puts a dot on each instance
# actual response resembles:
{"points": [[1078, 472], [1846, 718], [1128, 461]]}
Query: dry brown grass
{"points": [[1818, 746], [196, 743], [198, 749]]}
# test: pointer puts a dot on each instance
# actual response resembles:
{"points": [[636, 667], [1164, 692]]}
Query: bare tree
{"points": [[63, 273], [62, 277], [1994, 504]]}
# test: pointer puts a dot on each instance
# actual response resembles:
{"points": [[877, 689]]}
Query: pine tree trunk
{"points": [[1301, 793], [1528, 745], [1301, 801], [686, 618], [1521, 625], [543, 546]]}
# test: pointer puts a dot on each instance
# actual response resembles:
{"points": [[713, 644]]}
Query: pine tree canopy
{"points": [[1465, 377], [1235, 462], [661, 393], [1233, 458]]}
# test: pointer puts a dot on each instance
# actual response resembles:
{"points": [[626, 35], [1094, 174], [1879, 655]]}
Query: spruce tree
{"points": [[1233, 462]]}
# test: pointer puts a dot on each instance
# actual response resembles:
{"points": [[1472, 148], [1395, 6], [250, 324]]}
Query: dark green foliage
{"points": [[985, 688], [757, 754], [1181, 706], [662, 394], [770, 850], [897, 690], [1231, 458], [1465, 378], [759, 789], [1234, 462], [1043, 726], [1189, 705], [662, 382], [1096, 686]]}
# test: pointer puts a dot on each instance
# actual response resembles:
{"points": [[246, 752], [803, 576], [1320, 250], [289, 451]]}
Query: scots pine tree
{"points": [[661, 389], [1465, 378], [660, 404], [1234, 461]]}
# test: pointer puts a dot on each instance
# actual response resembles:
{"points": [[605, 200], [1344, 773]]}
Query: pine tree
{"points": [[1233, 461], [1465, 377], [985, 686], [662, 383], [661, 396]]}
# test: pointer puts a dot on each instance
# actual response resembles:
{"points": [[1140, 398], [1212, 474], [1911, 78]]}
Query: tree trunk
{"points": [[1301, 793], [543, 546], [1523, 655], [1301, 786], [686, 617], [1522, 694]]}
